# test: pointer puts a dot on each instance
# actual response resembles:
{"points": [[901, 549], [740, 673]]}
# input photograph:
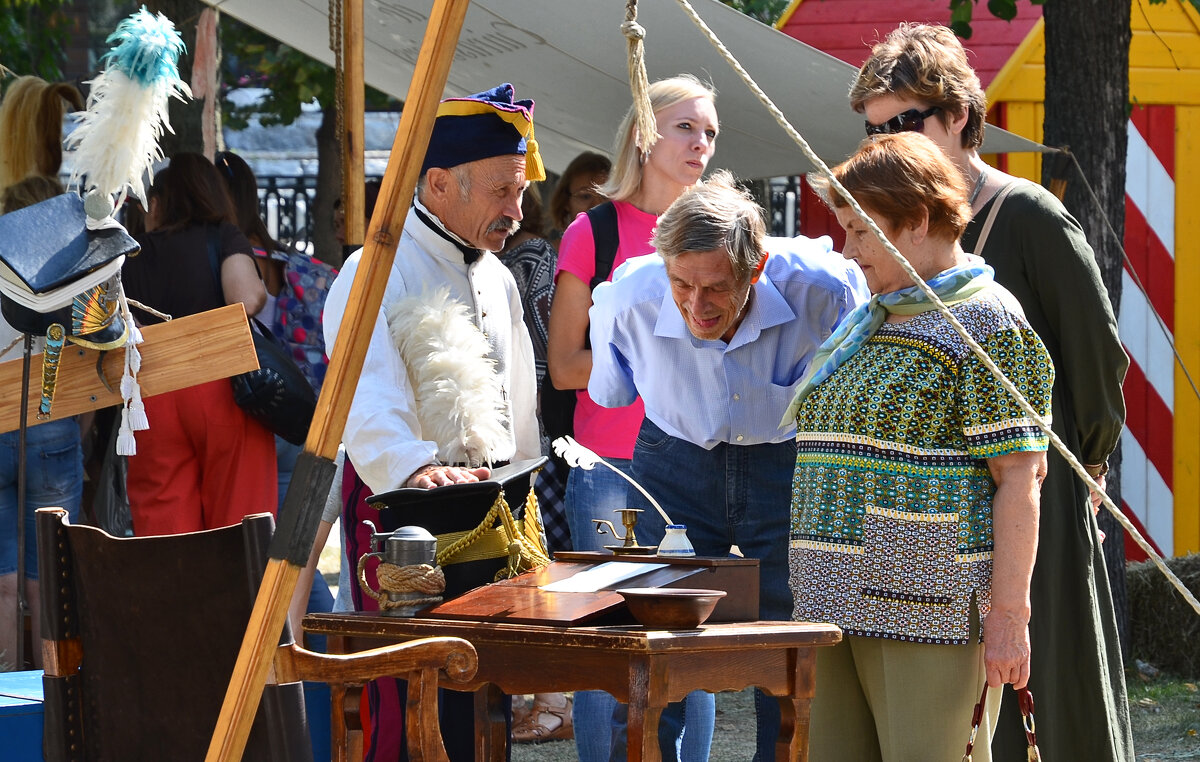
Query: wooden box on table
{"points": [[521, 600]]}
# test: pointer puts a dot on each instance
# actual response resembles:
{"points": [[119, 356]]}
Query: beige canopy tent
{"points": [[570, 57]]}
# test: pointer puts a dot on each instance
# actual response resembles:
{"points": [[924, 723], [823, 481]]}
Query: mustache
{"points": [[507, 224]]}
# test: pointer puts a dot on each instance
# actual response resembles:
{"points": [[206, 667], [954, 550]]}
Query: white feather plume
{"points": [[115, 144], [579, 456], [459, 399], [116, 141]]}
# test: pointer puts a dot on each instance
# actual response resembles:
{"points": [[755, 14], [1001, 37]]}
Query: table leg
{"points": [[792, 745], [491, 731], [642, 730], [794, 710], [645, 707]]}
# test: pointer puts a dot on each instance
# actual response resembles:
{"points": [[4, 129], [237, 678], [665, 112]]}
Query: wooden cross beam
{"points": [[176, 354]]}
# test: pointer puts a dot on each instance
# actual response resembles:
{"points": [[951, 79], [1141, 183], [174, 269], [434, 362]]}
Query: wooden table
{"points": [[644, 668]]}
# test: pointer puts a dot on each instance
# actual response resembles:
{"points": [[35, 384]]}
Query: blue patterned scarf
{"points": [[951, 286]]}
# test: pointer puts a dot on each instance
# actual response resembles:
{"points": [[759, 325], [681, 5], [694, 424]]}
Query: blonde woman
{"points": [[31, 123]]}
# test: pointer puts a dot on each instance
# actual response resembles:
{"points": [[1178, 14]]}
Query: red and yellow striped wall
{"points": [[1161, 444]]}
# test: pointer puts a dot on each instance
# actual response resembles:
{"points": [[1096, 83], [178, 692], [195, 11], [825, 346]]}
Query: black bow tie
{"points": [[469, 253]]}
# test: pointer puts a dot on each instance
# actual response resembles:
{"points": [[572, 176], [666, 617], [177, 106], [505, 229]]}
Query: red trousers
{"points": [[203, 463]]}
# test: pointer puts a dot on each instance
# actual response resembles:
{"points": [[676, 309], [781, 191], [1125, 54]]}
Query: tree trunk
{"points": [[1087, 108], [185, 116], [329, 189]]}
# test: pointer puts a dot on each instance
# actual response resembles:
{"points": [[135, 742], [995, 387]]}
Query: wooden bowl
{"points": [[670, 608]]}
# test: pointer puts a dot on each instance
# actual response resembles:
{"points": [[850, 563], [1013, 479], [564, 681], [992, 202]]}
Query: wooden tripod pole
{"points": [[314, 470], [353, 121]]}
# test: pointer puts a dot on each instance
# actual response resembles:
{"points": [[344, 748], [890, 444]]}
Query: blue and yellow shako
{"points": [[481, 126]]}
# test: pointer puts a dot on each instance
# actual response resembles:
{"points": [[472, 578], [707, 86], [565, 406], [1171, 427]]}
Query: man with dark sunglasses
{"points": [[912, 120]]}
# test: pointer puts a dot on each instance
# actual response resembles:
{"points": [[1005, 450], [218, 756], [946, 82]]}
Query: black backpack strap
{"points": [[606, 238]]}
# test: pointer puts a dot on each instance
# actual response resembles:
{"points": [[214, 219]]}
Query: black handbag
{"points": [[277, 395]]}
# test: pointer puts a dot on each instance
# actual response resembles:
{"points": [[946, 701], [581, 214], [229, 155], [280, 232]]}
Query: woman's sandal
{"points": [[530, 730]]}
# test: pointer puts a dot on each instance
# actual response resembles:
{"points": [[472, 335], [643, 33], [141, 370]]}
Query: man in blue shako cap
{"points": [[414, 423]]}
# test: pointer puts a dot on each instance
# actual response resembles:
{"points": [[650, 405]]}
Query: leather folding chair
{"points": [[140, 637]]}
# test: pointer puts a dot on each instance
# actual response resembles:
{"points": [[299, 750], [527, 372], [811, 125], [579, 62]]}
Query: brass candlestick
{"points": [[629, 546]]}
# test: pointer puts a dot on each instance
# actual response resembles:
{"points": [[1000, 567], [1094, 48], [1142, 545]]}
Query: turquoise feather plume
{"points": [[147, 48]]}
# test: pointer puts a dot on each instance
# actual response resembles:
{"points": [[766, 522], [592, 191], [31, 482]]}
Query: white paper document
{"points": [[599, 577]]}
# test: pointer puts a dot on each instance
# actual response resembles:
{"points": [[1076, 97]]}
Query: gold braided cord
{"points": [[811, 155], [523, 553], [444, 556], [491, 543], [645, 126], [419, 578]]}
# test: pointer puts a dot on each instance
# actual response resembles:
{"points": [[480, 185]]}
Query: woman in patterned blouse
{"points": [[915, 497]]}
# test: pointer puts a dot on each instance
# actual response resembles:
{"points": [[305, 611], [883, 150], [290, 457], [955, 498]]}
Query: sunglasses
{"points": [[909, 121]]}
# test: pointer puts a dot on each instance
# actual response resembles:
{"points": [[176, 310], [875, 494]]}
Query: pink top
{"points": [[610, 432]]}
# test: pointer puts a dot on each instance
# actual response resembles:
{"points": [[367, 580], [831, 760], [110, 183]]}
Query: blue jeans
{"points": [[286, 454], [599, 721], [729, 495], [53, 479], [595, 494]]}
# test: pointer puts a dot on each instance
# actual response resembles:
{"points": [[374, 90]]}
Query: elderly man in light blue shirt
{"points": [[715, 332]]}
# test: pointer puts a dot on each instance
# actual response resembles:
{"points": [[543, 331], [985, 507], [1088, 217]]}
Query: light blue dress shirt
{"points": [[708, 392]]}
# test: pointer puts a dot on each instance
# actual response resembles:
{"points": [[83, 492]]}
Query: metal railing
{"points": [[285, 204]]}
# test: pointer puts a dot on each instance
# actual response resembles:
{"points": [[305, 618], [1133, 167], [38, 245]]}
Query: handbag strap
{"points": [[1025, 703], [991, 218]]}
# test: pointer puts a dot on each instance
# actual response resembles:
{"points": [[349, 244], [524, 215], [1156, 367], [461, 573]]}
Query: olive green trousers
{"points": [[883, 700]]}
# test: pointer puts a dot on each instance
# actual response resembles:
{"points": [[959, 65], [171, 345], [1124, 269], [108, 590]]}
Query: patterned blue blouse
{"points": [[892, 497]]}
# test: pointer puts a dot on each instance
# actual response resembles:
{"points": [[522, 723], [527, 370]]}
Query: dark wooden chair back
{"points": [[140, 639]]}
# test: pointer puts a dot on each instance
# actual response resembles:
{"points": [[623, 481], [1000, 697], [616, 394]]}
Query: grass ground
{"points": [[1165, 714], [733, 740]]}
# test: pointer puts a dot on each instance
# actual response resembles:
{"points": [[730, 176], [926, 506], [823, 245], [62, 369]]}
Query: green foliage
{"points": [[290, 78], [766, 11], [962, 11], [1195, 3], [33, 35]]}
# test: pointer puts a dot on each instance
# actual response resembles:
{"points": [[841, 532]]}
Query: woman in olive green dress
{"points": [[918, 79]]}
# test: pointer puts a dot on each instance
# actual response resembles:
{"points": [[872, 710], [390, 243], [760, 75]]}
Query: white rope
{"points": [[1076, 466], [146, 308]]}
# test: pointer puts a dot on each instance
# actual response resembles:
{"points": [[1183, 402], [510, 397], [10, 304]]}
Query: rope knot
{"points": [[633, 30]]}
